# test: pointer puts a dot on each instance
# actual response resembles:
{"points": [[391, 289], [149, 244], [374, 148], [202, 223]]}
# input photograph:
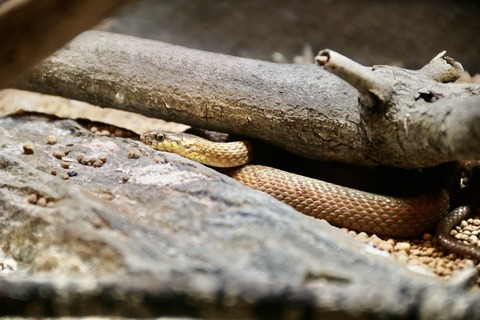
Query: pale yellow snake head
{"points": [[167, 141]]}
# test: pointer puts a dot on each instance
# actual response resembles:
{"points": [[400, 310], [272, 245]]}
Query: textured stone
{"points": [[172, 220]]}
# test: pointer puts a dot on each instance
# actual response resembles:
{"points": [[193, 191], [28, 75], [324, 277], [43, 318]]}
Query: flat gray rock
{"points": [[186, 228]]}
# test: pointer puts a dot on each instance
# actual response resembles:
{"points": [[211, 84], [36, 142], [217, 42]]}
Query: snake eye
{"points": [[160, 137]]}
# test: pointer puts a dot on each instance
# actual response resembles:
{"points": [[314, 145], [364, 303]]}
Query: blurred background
{"points": [[404, 33]]}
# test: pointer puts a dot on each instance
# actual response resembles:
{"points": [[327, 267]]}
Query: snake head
{"points": [[161, 140]]}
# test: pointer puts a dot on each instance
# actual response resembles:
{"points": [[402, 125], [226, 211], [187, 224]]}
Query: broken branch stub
{"points": [[443, 68], [374, 90], [301, 108]]}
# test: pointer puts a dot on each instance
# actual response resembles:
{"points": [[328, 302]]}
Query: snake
{"points": [[341, 206]]}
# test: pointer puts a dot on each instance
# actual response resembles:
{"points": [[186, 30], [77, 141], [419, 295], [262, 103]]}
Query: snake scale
{"points": [[340, 206]]}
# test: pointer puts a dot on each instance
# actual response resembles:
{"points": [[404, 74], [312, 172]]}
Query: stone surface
{"points": [[174, 219], [177, 212]]}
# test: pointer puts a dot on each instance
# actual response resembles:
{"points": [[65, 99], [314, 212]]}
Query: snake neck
{"points": [[221, 155]]}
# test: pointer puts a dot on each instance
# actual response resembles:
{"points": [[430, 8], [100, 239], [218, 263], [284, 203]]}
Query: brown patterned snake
{"points": [[341, 206]]}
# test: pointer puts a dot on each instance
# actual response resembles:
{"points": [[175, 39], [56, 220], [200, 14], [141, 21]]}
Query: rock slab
{"points": [[177, 234]]}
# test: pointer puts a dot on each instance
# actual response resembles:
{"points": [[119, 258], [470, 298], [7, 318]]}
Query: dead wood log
{"points": [[32, 29], [421, 123]]}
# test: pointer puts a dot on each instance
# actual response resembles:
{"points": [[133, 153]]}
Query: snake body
{"points": [[346, 207], [341, 206]]}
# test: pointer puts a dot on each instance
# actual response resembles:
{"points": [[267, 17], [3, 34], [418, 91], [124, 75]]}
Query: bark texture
{"points": [[298, 107]]}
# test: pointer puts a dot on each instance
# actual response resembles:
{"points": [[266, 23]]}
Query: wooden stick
{"points": [[374, 88]]}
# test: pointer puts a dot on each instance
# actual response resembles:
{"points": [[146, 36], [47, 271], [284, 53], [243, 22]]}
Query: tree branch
{"points": [[299, 107]]}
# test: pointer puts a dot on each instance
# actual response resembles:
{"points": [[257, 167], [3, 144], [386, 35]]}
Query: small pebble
{"points": [[469, 228], [93, 129], [159, 159], [428, 251], [385, 246], [134, 154], [28, 148], [473, 240], [442, 271], [72, 173], [83, 160], [118, 133], [103, 158], [103, 133], [451, 256], [58, 154], [467, 263], [97, 163], [79, 158], [65, 165], [32, 198], [427, 243], [427, 236], [50, 204], [125, 178], [350, 233], [363, 235], [42, 202], [53, 172], [402, 246], [52, 140], [425, 259], [65, 176]]}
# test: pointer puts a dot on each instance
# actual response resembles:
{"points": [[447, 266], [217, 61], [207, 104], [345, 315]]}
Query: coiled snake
{"points": [[340, 206]]}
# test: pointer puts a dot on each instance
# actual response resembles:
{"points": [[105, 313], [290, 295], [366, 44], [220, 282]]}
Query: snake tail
{"points": [[450, 243]]}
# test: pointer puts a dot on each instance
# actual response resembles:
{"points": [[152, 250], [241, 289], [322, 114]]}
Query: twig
{"points": [[374, 89]]}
